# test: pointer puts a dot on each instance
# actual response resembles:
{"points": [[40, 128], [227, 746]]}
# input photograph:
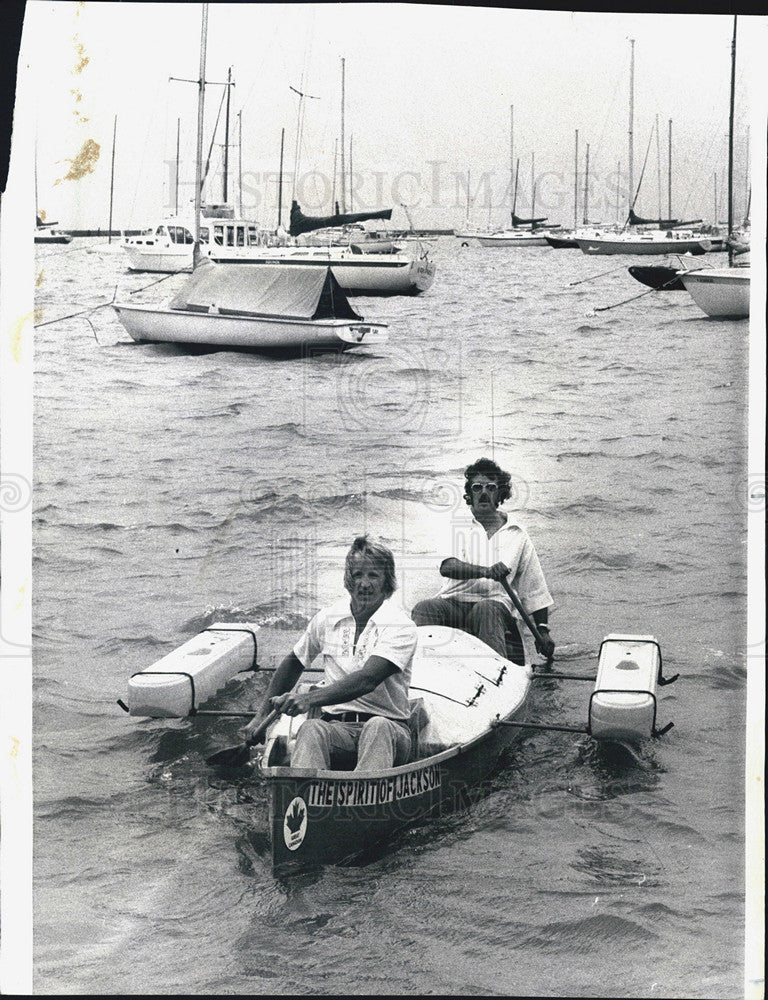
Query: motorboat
{"points": [[167, 247]]}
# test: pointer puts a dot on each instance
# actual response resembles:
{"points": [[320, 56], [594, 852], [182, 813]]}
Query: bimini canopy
{"points": [[278, 290]]}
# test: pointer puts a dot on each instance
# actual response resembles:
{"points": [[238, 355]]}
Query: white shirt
{"points": [[465, 539], [389, 633]]}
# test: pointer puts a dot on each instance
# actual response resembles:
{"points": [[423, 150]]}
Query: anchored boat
{"points": [[254, 307]]}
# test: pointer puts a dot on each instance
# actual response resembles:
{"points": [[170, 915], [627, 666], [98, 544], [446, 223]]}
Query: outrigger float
{"points": [[469, 705]]}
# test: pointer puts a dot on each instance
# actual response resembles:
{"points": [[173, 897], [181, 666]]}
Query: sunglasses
{"points": [[477, 488]]}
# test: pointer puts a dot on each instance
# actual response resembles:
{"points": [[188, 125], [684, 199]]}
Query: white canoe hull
{"points": [[357, 273], [153, 324], [719, 292]]}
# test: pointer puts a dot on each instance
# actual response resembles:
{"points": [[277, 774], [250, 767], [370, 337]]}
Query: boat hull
{"points": [[163, 260], [522, 240], [465, 690], [562, 243], [338, 817], [152, 325], [651, 247], [357, 273], [722, 293], [46, 238], [658, 276]]}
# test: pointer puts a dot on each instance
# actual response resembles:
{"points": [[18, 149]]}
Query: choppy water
{"points": [[175, 489]]}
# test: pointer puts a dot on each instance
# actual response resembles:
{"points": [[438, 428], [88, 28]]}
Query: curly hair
{"points": [[379, 553], [487, 467]]}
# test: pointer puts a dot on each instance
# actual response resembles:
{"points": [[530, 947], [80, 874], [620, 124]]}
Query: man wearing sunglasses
{"points": [[487, 545]]}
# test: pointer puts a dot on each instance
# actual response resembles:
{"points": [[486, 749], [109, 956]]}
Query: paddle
{"points": [[241, 754], [523, 613]]}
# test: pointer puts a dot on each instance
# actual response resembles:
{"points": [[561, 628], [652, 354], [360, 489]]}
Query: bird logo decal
{"points": [[295, 823]]}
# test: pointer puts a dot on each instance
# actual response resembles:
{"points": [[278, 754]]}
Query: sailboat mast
{"points": [[343, 192], [467, 220], [351, 207], [658, 166], [176, 184], [669, 175], [514, 199], [586, 189], [226, 136], [112, 180], [280, 182], [240, 159], [730, 145], [533, 185], [200, 123], [576, 183], [511, 155], [631, 123]]}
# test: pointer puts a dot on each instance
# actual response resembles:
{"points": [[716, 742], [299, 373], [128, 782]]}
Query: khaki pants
{"points": [[376, 744], [487, 619]]}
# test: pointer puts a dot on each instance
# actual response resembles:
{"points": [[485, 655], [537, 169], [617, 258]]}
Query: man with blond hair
{"points": [[367, 642]]}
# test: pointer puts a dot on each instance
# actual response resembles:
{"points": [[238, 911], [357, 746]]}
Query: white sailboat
{"points": [[638, 236], [723, 292], [256, 306], [253, 306], [524, 232]]}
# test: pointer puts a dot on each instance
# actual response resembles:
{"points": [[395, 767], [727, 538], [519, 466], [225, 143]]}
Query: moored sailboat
{"points": [[723, 292], [257, 307], [366, 268]]}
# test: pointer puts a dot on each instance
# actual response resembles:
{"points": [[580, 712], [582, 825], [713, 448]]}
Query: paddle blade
{"points": [[230, 756]]}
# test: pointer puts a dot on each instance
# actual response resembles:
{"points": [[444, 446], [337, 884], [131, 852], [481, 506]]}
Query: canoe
{"points": [[462, 692], [469, 706]]}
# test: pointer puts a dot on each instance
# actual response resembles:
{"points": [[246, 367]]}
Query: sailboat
{"points": [[640, 236], [723, 292], [256, 307], [524, 232], [45, 231], [360, 265]]}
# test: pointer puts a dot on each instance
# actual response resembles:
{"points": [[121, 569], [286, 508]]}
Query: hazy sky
{"points": [[428, 95]]}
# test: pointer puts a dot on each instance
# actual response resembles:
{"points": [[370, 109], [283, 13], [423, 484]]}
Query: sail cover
{"points": [[517, 221], [301, 223], [635, 220], [274, 290]]}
